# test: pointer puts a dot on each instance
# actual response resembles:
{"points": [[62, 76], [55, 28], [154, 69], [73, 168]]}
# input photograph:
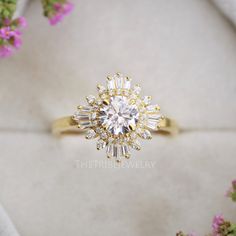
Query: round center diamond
{"points": [[119, 117]]}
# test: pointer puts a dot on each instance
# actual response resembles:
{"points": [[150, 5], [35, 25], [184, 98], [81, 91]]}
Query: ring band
{"points": [[118, 117]]}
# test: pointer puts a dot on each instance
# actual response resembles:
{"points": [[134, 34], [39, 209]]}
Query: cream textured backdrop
{"points": [[228, 7], [183, 53]]}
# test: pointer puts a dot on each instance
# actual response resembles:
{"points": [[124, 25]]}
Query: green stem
{"points": [[48, 6], [7, 9]]}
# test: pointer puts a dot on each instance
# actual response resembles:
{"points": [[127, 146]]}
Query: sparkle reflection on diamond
{"points": [[119, 117]]}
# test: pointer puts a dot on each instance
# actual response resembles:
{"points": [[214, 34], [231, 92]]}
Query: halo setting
{"points": [[118, 116]]}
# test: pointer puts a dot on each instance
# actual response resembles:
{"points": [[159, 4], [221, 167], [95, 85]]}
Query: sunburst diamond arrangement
{"points": [[118, 117]]}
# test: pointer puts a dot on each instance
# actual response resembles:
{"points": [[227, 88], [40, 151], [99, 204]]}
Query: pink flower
{"points": [[17, 42], [10, 36], [68, 7], [231, 193], [16, 39], [5, 51], [218, 221], [22, 22], [7, 22], [13, 37], [55, 19], [6, 33], [60, 10]]}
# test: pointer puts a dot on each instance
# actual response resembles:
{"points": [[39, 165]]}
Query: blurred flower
{"points": [[22, 22], [56, 10], [218, 221], [231, 193], [221, 227], [6, 33], [61, 10], [11, 36], [17, 42], [5, 51]]}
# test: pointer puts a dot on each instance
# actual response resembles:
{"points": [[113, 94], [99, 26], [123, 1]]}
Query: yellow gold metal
{"points": [[127, 156], [67, 125], [132, 101], [99, 86], [132, 127], [106, 101]]}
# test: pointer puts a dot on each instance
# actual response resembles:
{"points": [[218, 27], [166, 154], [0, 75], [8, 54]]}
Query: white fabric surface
{"points": [[6, 226], [228, 7], [21, 8], [183, 54], [46, 194]]}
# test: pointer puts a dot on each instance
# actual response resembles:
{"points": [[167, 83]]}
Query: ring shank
{"points": [[67, 125]]}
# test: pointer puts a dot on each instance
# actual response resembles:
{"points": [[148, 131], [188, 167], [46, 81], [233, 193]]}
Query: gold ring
{"points": [[118, 116]]}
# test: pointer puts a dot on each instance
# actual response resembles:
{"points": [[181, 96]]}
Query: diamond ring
{"points": [[117, 117]]}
